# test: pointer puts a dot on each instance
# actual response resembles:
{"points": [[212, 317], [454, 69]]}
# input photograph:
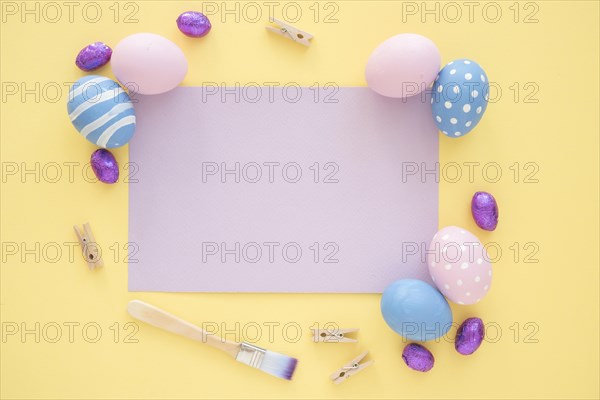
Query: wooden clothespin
{"points": [[352, 368], [290, 32], [89, 247], [333, 335]]}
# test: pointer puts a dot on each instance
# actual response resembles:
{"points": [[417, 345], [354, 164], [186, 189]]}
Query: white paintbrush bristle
{"points": [[278, 365]]}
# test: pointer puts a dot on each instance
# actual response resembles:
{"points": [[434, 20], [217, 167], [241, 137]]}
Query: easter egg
{"points": [[415, 310], [403, 65], [417, 357], [459, 265], [485, 210], [459, 97], [101, 111], [193, 24], [93, 56], [469, 336], [147, 63], [105, 166]]}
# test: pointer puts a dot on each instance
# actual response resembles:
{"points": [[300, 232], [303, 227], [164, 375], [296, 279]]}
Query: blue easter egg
{"points": [[101, 111], [459, 97], [416, 310]]}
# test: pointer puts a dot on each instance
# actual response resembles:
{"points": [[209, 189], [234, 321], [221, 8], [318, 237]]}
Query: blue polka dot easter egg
{"points": [[101, 111], [459, 97]]}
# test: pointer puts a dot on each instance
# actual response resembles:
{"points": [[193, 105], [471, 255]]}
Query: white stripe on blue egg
{"points": [[101, 111], [459, 97]]}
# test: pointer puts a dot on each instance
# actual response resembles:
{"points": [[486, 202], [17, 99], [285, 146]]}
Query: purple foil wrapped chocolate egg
{"points": [[418, 357], [193, 24], [93, 56], [485, 210], [105, 166], [469, 336]]}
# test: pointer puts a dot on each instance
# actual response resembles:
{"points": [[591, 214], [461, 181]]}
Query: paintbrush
{"points": [[268, 361]]}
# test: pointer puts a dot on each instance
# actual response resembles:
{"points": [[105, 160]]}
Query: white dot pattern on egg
{"points": [[460, 93], [101, 111], [465, 275]]}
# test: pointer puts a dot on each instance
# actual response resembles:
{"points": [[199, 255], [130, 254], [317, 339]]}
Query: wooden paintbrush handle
{"points": [[162, 319]]}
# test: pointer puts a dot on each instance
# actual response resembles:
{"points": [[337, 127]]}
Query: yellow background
{"points": [[558, 55]]}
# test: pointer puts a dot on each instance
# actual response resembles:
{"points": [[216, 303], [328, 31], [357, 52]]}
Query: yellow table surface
{"points": [[540, 131]]}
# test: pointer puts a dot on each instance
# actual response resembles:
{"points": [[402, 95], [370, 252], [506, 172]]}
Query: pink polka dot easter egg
{"points": [[147, 63], [459, 265]]}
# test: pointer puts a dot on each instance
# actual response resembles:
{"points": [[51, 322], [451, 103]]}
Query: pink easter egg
{"points": [[147, 63], [403, 65], [459, 265]]}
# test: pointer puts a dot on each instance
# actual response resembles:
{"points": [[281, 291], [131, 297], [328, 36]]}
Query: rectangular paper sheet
{"points": [[279, 190]]}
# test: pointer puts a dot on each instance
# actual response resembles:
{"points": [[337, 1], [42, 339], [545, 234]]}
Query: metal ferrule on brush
{"points": [[251, 355]]}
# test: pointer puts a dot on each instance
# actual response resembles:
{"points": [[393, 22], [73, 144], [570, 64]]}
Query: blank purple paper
{"points": [[279, 190]]}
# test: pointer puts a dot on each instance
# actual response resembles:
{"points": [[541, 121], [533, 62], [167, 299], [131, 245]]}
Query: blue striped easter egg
{"points": [[101, 111]]}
